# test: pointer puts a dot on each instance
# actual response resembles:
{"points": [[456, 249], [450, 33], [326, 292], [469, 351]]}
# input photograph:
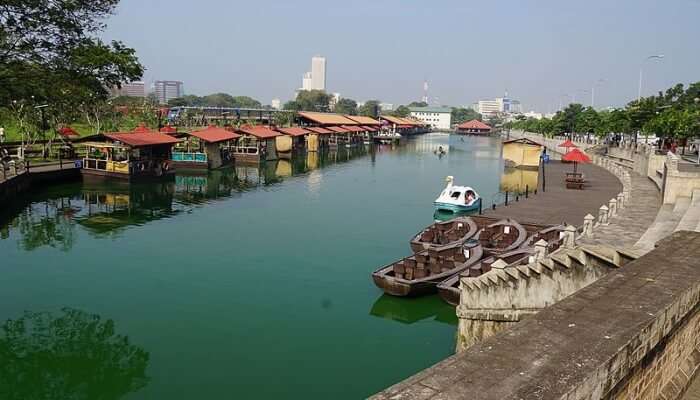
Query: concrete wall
{"points": [[633, 334]]}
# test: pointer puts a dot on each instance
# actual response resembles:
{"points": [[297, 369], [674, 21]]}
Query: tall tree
{"points": [[311, 100], [370, 108], [460, 115], [346, 106]]}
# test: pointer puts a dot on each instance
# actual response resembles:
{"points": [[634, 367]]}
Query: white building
{"points": [[318, 73], [533, 114], [276, 104], [168, 90], [437, 117], [386, 106], [316, 79], [489, 108]]}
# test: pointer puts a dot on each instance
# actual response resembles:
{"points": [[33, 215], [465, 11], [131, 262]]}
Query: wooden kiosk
{"points": [[209, 148]]}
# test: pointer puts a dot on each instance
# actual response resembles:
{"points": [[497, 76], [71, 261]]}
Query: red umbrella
{"points": [[142, 129], [68, 132], [576, 156], [567, 144], [168, 129]]}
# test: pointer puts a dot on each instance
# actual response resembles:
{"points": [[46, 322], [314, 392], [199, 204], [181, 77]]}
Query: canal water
{"points": [[245, 283]]}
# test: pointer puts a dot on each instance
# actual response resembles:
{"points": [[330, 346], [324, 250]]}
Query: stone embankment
{"points": [[601, 322]]}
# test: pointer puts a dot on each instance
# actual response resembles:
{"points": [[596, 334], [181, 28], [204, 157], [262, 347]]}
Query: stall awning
{"points": [[363, 120], [260, 132], [326, 118], [319, 130], [293, 131], [141, 139], [351, 128], [338, 129], [214, 134]]}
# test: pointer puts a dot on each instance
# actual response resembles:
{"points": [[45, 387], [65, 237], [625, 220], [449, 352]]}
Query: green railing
{"points": [[189, 157]]}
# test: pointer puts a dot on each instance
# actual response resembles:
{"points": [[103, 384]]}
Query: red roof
{"points": [[338, 129], [142, 129], [214, 134], [567, 143], [576, 155], [293, 131], [260, 132], [138, 139], [404, 126], [67, 131], [319, 130], [474, 124], [353, 128], [168, 129], [370, 128]]}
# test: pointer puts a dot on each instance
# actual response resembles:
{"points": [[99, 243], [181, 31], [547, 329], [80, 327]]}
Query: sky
{"points": [[542, 52]]}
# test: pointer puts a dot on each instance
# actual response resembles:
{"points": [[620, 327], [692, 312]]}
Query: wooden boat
{"points": [[420, 273], [502, 236], [449, 288], [553, 235], [439, 234]]}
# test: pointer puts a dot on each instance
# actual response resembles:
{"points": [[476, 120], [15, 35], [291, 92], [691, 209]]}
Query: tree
{"points": [[418, 104], [370, 108], [402, 111], [311, 100], [49, 50], [346, 106], [460, 115]]}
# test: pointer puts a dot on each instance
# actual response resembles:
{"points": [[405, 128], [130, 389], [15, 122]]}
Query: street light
{"points": [[641, 69], [597, 83]]}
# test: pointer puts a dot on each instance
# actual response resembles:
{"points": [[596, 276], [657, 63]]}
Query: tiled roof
{"points": [[214, 134], [393, 120], [319, 130], [327, 118], [353, 128], [338, 129], [293, 131], [363, 120], [473, 124], [260, 132], [139, 139]]}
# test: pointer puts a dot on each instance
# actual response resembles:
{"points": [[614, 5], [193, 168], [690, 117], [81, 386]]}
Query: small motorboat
{"points": [[449, 288], [457, 198], [439, 234], [420, 273], [501, 236]]}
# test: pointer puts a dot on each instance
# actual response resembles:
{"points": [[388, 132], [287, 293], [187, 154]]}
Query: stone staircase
{"points": [[665, 223], [691, 219]]}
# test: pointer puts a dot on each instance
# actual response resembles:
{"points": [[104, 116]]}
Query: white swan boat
{"points": [[457, 198]]}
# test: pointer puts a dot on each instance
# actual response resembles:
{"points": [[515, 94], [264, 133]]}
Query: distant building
{"points": [[132, 89], [500, 105], [168, 90], [316, 79], [335, 98], [532, 114], [276, 104], [437, 117], [386, 106]]}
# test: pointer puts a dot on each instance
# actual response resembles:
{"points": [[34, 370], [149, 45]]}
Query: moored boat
{"points": [[457, 198], [420, 273], [455, 231], [502, 236], [449, 288], [553, 235]]}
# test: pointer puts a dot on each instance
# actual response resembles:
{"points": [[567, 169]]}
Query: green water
{"points": [[247, 283]]}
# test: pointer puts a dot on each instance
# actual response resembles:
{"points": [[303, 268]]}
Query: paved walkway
{"points": [[632, 221], [559, 204]]}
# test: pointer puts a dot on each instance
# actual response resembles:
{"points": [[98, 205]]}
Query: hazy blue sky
{"points": [[384, 49]]}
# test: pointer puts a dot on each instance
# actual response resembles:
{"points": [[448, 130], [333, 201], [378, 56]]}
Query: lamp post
{"points": [[597, 83], [641, 72]]}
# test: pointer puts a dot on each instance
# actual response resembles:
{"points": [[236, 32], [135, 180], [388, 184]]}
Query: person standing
{"points": [[2, 134]]}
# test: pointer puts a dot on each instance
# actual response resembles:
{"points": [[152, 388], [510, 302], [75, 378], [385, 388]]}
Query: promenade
{"points": [[557, 204]]}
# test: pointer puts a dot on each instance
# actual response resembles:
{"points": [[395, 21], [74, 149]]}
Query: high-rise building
{"points": [[318, 73], [168, 90], [132, 89], [316, 79]]}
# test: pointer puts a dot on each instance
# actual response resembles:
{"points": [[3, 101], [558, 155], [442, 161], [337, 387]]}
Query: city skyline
{"points": [[545, 53]]}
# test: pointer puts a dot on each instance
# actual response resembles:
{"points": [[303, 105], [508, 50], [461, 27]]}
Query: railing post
{"points": [[527, 191], [588, 225], [481, 211], [506, 198], [603, 215]]}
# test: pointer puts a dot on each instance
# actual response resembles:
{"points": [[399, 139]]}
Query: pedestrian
{"points": [[2, 134]]}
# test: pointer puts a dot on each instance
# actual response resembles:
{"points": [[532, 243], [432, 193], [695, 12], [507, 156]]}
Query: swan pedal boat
{"points": [[455, 198]]}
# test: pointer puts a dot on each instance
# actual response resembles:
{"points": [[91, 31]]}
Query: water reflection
{"points": [[69, 355], [518, 179], [106, 209], [410, 311]]}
